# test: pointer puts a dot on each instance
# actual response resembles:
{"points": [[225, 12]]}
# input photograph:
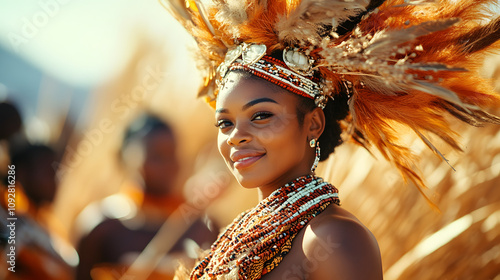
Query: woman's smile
{"points": [[245, 158]]}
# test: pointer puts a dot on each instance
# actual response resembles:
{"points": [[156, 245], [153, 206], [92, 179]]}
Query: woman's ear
{"points": [[316, 122]]}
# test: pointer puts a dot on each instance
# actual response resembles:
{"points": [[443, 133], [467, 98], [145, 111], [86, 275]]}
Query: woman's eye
{"points": [[261, 116], [221, 124]]}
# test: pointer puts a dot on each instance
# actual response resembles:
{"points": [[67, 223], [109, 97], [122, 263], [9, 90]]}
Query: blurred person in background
{"points": [[149, 149], [41, 253], [10, 125], [11, 122]]}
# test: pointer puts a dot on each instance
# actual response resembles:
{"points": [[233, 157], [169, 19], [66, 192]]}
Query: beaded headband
{"points": [[289, 74]]}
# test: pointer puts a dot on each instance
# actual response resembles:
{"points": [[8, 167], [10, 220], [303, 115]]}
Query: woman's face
{"points": [[259, 134]]}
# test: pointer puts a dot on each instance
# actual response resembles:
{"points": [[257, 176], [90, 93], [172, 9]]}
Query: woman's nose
{"points": [[239, 135]]}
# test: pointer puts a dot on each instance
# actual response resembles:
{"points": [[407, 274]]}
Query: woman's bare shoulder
{"points": [[339, 246]]}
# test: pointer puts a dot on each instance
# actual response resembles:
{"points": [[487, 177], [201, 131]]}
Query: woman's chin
{"points": [[248, 180]]}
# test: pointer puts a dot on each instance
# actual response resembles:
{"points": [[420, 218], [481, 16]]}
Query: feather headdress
{"points": [[406, 63]]}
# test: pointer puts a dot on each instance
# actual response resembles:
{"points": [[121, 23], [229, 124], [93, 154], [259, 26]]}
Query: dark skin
{"points": [[265, 147], [38, 177], [160, 167]]}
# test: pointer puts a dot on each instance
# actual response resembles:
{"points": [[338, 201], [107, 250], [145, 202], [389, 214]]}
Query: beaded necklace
{"points": [[257, 240]]}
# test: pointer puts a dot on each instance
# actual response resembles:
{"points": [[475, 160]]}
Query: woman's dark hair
{"points": [[335, 110]]}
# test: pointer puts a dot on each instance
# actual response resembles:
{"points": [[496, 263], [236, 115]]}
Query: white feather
{"points": [[231, 14], [303, 24], [384, 42]]}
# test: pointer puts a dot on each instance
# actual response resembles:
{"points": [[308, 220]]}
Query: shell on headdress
{"points": [[298, 61], [253, 52]]}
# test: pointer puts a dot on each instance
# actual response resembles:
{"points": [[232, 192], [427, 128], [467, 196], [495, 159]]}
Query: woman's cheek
{"points": [[270, 133], [223, 146]]}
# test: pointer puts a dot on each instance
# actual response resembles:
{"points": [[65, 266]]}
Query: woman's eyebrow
{"points": [[221, 110], [249, 104], [257, 101]]}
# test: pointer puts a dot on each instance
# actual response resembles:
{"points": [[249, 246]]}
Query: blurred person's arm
{"points": [[90, 250]]}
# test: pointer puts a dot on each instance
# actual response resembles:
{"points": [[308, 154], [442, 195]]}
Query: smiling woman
{"points": [[259, 137], [266, 145], [265, 137], [287, 79]]}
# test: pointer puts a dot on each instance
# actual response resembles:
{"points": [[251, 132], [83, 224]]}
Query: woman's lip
{"points": [[246, 161]]}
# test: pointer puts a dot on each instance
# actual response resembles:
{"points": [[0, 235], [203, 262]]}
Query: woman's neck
{"points": [[265, 192]]}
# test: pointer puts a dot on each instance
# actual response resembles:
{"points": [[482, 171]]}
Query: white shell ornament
{"points": [[232, 55], [253, 53], [298, 61], [222, 70]]}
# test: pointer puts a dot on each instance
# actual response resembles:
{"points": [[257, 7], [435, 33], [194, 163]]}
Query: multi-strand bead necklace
{"points": [[256, 242]]}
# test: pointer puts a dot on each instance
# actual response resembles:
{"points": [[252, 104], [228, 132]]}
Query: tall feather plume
{"points": [[196, 18], [348, 25], [302, 25], [481, 37], [382, 41], [411, 67], [232, 16], [411, 62], [177, 9]]}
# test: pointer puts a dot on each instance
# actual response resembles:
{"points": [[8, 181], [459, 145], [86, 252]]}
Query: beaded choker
{"points": [[256, 242]]}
